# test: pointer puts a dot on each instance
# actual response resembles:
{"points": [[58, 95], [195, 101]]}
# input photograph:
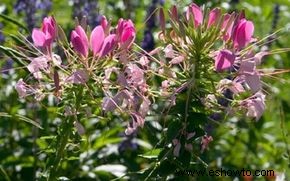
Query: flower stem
{"points": [[62, 140]]}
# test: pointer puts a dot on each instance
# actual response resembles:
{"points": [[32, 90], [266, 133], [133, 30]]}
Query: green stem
{"points": [[62, 142]]}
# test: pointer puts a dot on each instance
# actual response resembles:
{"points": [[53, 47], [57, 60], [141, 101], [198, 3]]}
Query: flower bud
{"points": [[126, 32], [243, 33], [97, 39], [214, 16], [79, 41], [44, 37], [196, 12]]}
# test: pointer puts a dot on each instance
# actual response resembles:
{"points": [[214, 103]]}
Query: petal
{"points": [[97, 39], [243, 33], [81, 32], [225, 59], [254, 82], [197, 14], [38, 37], [78, 77], [108, 45], [78, 44], [214, 15]]}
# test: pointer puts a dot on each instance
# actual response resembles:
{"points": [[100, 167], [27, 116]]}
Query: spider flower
{"points": [[44, 37], [126, 32], [99, 43]]}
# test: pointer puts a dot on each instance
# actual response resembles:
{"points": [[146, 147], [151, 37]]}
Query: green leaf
{"points": [[173, 130], [14, 54], [166, 167], [185, 158], [29, 121], [7, 18], [153, 154], [23, 118]]}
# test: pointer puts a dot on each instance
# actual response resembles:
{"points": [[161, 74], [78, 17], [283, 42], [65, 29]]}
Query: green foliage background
{"points": [[237, 143]]}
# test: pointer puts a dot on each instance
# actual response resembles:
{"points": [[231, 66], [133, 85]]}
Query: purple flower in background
{"points": [[29, 8], [2, 37], [88, 8], [148, 43]]}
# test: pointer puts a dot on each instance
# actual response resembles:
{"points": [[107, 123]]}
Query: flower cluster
{"points": [[96, 58], [207, 65]]}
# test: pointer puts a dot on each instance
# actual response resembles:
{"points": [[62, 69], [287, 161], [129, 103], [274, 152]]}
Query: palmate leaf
{"points": [[22, 118]]}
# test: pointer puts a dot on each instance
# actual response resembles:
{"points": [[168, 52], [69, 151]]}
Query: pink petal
{"points": [[254, 82], [36, 65], [225, 59], [243, 33], [214, 15], [97, 39], [259, 56], [81, 32], [78, 44], [104, 22], [177, 60], [78, 77], [196, 12], [108, 45], [227, 26], [38, 37], [49, 26]]}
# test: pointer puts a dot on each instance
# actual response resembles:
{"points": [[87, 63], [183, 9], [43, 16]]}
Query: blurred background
{"points": [[107, 153]]}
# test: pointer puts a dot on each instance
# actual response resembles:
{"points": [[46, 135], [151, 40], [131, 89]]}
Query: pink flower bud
{"points": [[104, 22], [214, 16], [196, 12], [80, 41], [243, 33], [224, 59], [106, 25], [44, 37], [126, 32], [97, 39], [227, 26], [108, 45]]}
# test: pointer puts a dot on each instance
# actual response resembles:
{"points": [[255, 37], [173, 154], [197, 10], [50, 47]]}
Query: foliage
{"points": [[38, 141]]}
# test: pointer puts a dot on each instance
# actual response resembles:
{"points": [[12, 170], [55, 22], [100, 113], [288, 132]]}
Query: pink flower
{"points": [[255, 105], [22, 88], [137, 121], [99, 43], [126, 32], [243, 33], [251, 76], [80, 41], [36, 65], [205, 140], [195, 11], [224, 59], [44, 37], [214, 16], [134, 75]]}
